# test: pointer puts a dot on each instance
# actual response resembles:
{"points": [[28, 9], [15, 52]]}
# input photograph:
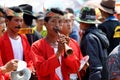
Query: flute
{"points": [[68, 49]]}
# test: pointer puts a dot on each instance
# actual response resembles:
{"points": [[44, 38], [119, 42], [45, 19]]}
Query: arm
{"points": [[44, 64], [73, 61], [91, 48]]}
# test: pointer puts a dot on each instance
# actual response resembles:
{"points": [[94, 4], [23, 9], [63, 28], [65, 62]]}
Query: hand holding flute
{"points": [[63, 44]]}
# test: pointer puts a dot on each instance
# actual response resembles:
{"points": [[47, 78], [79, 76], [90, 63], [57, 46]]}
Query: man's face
{"points": [[118, 16], [53, 23], [40, 23], [14, 24], [2, 23], [83, 26], [67, 26]]}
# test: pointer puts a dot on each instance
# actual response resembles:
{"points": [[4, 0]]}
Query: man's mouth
{"points": [[18, 27], [56, 29]]}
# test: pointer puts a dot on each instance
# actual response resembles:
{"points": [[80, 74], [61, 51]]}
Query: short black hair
{"points": [[70, 10], [54, 10], [57, 11]]}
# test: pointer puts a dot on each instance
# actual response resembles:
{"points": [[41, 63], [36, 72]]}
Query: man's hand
{"points": [[10, 66]]}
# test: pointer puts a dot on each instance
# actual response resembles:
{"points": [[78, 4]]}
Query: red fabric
{"points": [[7, 51], [1, 75], [46, 61]]}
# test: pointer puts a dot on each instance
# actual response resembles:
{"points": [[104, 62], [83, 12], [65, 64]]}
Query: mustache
{"points": [[56, 29], [18, 27]]}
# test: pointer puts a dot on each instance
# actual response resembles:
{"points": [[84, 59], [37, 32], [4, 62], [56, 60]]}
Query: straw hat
{"points": [[107, 6]]}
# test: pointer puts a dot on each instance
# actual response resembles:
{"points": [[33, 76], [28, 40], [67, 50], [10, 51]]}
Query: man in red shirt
{"points": [[49, 53], [12, 44], [12, 64]]}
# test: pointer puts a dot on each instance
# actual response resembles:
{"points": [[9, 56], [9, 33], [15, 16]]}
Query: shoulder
{"points": [[109, 23], [4, 36], [115, 52], [73, 41], [23, 36], [37, 34], [39, 42], [90, 36]]}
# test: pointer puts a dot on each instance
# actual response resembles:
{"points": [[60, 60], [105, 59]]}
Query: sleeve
{"points": [[73, 61], [44, 66], [1, 63], [1, 43], [91, 48], [27, 54], [3, 76], [102, 27]]}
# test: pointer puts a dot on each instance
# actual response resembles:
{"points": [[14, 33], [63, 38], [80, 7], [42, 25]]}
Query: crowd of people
{"points": [[54, 43]]}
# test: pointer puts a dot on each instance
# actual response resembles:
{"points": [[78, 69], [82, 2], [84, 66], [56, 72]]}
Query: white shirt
{"points": [[17, 48], [58, 69], [73, 76]]}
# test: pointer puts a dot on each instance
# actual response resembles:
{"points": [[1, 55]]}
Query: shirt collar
{"points": [[111, 18]]}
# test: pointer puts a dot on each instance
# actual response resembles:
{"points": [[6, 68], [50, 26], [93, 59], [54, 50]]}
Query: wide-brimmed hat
{"points": [[107, 6], [88, 15], [27, 9]]}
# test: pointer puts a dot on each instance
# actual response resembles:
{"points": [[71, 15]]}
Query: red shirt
{"points": [[46, 61], [7, 51]]}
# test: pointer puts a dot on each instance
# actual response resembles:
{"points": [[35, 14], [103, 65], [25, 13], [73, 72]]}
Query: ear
{"points": [[6, 20]]}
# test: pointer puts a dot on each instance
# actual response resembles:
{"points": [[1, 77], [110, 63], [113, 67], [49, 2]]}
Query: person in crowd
{"points": [[114, 64], [51, 60], [28, 17], [93, 43], [66, 30], [114, 56], [40, 27], [75, 29], [12, 64], [12, 44], [110, 26], [2, 21], [117, 8], [67, 24]]}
